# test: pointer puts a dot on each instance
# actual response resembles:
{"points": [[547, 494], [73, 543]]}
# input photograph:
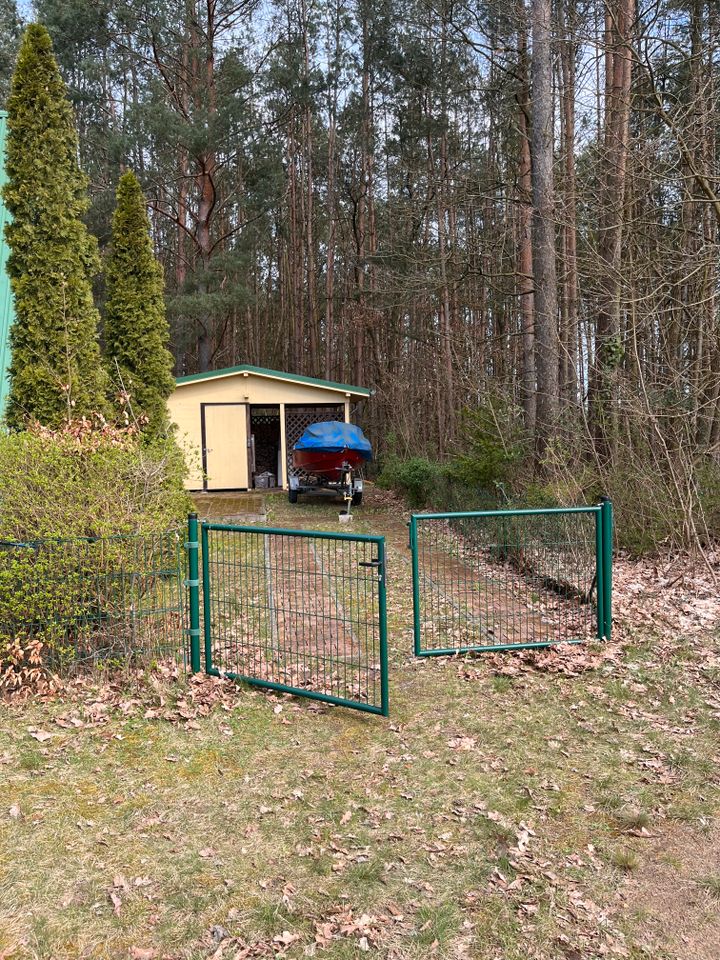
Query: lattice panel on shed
{"points": [[265, 414], [297, 419]]}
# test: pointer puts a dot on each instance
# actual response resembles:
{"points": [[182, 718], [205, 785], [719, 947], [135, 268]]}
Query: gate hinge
{"points": [[192, 631], [192, 543], [191, 583]]}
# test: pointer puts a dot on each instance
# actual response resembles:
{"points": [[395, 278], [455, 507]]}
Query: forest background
{"points": [[502, 217]]}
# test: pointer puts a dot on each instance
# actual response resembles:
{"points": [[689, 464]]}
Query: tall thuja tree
{"points": [[55, 371], [136, 329]]}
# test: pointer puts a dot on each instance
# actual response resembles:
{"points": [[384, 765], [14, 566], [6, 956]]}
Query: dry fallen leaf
{"points": [[40, 735], [116, 902], [286, 938]]}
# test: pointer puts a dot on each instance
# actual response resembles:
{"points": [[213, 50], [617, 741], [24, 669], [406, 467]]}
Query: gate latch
{"points": [[375, 562]]}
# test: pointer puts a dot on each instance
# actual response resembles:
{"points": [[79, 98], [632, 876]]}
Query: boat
{"points": [[329, 455], [326, 449]]}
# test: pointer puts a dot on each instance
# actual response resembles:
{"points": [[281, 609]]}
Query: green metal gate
{"points": [[297, 611], [511, 579]]}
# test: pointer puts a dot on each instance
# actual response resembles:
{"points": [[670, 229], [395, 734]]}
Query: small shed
{"points": [[240, 424]]}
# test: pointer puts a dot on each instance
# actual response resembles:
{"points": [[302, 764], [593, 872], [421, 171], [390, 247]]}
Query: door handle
{"points": [[375, 562]]}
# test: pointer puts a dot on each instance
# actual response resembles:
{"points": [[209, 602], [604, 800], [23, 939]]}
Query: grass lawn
{"points": [[511, 808]]}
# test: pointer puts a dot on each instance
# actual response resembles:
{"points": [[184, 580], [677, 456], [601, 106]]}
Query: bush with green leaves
{"points": [[417, 478], [492, 448], [493, 445], [62, 584], [85, 482]]}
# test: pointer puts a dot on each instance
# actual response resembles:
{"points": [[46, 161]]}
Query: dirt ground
{"points": [[673, 896], [552, 805]]}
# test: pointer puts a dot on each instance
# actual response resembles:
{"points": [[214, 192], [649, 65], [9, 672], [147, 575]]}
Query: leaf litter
{"points": [[529, 871]]}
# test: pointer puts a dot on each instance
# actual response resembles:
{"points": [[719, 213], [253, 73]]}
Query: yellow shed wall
{"points": [[184, 409]]}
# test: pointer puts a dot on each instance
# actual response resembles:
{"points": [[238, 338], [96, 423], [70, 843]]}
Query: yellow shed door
{"points": [[226, 448]]}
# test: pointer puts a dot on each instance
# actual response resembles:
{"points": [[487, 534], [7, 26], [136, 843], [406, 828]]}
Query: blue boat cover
{"points": [[333, 437]]}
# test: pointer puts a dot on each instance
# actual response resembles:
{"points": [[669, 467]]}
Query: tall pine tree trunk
{"points": [[569, 331], [524, 254], [620, 16], [543, 232], [333, 50]]}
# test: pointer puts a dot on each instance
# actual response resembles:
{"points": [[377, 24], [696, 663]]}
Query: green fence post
{"points": [[607, 539], [193, 585], [207, 612], [415, 585], [382, 597], [599, 561]]}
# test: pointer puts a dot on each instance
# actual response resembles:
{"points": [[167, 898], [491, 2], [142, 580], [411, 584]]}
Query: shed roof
{"points": [[246, 368]]}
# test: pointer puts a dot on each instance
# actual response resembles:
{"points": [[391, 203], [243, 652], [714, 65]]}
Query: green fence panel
{"points": [[302, 612], [493, 580], [97, 602]]}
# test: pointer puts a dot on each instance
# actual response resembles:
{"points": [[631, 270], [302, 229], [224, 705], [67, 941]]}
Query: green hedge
{"points": [[88, 571], [88, 485]]}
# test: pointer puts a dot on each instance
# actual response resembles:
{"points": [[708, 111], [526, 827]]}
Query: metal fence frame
{"points": [[96, 600], [197, 626], [200, 591], [603, 514]]}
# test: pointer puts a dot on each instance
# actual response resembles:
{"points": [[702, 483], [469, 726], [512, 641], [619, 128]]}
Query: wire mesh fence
{"points": [[109, 602], [497, 580], [297, 611], [305, 612]]}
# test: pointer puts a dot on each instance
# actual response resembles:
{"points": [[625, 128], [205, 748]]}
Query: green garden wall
{"points": [[6, 302]]}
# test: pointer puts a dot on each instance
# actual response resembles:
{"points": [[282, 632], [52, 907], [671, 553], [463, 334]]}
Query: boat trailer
{"points": [[349, 486]]}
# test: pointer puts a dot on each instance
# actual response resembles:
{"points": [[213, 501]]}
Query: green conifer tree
{"points": [[56, 371], [136, 331]]}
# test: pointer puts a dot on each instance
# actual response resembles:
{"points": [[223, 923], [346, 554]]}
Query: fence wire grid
{"points": [[298, 611], [110, 601], [503, 580]]}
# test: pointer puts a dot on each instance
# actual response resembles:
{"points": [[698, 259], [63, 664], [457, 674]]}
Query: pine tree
{"points": [[136, 329], [55, 371]]}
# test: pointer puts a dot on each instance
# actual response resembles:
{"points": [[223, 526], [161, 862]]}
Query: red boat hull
{"points": [[325, 464]]}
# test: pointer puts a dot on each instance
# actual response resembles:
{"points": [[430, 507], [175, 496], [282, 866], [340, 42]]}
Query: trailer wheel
{"points": [[357, 499], [292, 496]]}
